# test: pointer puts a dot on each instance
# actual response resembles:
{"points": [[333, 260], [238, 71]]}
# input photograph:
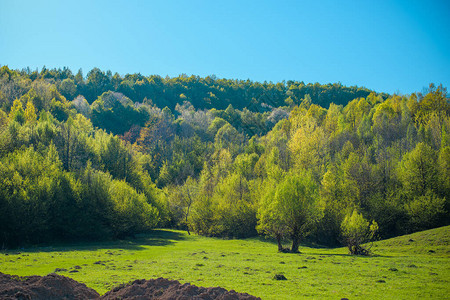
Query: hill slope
{"points": [[396, 271], [434, 241]]}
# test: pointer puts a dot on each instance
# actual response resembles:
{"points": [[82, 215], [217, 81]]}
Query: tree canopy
{"points": [[229, 158]]}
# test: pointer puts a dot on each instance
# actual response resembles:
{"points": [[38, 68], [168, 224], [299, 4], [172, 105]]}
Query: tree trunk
{"points": [[295, 243], [280, 246], [187, 224]]}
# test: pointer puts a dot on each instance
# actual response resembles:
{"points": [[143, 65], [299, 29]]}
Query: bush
{"points": [[356, 231]]}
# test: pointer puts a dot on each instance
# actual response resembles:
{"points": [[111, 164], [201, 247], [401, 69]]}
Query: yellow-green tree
{"points": [[356, 231], [17, 113], [293, 210], [30, 112]]}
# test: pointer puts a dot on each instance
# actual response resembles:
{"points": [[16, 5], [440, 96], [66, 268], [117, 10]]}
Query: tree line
{"points": [[105, 158], [204, 93]]}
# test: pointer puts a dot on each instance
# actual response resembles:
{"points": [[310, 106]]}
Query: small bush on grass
{"points": [[356, 231]]}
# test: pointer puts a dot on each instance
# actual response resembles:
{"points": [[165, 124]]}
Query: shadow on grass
{"points": [[287, 243], [373, 255], [316, 249], [157, 237]]}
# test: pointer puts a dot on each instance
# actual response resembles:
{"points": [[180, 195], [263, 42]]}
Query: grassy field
{"points": [[416, 266]]}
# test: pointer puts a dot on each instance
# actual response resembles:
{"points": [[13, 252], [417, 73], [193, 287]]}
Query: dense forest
{"points": [[106, 156]]}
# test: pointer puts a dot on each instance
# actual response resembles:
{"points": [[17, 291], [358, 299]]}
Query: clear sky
{"points": [[388, 46]]}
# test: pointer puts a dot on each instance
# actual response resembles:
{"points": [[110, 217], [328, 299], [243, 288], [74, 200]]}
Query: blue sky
{"points": [[388, 46]]}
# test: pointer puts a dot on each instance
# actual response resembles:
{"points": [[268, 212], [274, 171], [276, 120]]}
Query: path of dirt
{"points": [[55, 286]]}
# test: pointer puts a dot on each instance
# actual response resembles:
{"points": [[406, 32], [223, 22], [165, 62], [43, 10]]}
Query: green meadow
{"points": [[415, 266]]}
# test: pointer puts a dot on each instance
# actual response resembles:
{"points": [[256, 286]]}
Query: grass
{"points": [[402, 267]]}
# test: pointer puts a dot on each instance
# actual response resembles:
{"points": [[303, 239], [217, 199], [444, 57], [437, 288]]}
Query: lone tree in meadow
{"points": [[356, 231], [290, 209]]}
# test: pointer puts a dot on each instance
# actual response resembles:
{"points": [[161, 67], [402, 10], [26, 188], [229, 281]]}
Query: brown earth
{"points": [[55, 286], [164, 289], [47, 287]]}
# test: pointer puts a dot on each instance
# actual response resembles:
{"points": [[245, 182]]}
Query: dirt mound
{"points": [[164, 289], [47, 287], [55, 286]]}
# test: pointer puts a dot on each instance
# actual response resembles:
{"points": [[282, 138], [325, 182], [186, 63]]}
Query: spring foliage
{"points": [[356, 231], [110, 156]]}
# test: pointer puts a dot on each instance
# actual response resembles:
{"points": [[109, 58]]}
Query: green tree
{"points": [[227, 137], [68, 88], [426, 211], [116, 113], [17, 113], [338, 196], [294, 207], [117, 159], [269, 221], [356, 231], [131, 211], [235, 212], [308, 145], [30, 112], [182, 200], [435, 101], [418, 171], [97, 83], [216, 124]]}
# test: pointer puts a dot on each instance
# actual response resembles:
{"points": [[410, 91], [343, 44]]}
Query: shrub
{"points": [[356, 231]]}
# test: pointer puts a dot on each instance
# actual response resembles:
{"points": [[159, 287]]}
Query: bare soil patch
{"points": [[164, 289], [52, 286], [55, 286]]}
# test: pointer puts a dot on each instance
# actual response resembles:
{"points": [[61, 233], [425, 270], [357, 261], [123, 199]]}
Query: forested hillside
{"points": [[108, 156]]}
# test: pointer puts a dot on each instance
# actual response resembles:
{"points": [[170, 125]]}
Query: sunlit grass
{"points": [[408, 267]]}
